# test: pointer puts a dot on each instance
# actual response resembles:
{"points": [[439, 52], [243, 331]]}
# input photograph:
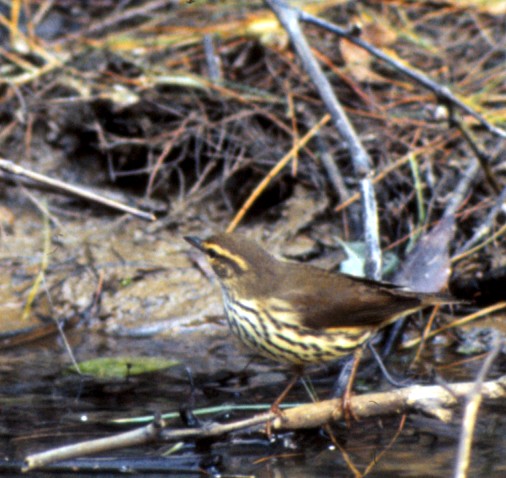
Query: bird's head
{"points": [[235, 259]]}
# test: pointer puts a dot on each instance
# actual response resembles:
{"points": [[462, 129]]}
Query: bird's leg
{"points": [[297, 373], [275, 406], [344, 383], [346, 399]]}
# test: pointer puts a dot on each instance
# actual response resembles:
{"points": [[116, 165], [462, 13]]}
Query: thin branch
{"points": [[486, 227], [274, 171], [123, 440], [443, 94], [471, 411], [482, 157], [12, 168], [434, 400], [289, 19]]}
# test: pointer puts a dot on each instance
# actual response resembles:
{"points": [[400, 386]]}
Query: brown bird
{"points": [[297, 313]]}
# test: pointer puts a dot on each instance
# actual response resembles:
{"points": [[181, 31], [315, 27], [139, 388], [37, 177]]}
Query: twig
{"points": [[433, 400], [378, 457], [482, 157], [274, 171], [486, 227], [289, 18], [44, 263], [139, 436], [120, 15], [41, 206], [442, 236], [13, 168], [212, 59], [460, 192], [438, 143], [135, 437], [471, 411], [457, 323], [481, 245], [332, 169], [443, 94]]}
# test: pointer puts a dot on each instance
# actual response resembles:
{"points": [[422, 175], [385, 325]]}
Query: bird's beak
{"points": [[195, 242]]}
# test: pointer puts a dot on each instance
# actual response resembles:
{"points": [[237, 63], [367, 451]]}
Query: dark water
{"points": [[43, 406]]}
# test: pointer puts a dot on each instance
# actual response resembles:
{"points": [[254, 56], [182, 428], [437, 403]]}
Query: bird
{"points": [[299, 314]]}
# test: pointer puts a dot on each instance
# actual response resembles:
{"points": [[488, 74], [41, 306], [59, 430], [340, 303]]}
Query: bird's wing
{"points": [[327, 300]]}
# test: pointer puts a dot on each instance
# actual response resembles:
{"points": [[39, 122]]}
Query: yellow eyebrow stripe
{"points": [[226, 254]]}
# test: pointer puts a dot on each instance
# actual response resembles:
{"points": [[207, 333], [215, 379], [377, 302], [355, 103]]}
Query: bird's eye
{"points": [[212, 253]]}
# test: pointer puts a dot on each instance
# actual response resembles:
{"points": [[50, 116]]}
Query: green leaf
{"points": [[121, 367]]}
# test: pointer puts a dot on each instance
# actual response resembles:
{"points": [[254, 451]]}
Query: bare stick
{"points": [[13, 168], [434, 400], [471, 412], [289, 19], [122, 440], [274, 171], [139, 436], [486, 227], [443, 94]]}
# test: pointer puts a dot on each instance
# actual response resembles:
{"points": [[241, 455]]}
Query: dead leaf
{"points": [[427, 267]]}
